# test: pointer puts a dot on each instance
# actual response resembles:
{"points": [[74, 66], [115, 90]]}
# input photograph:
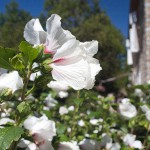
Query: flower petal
{"points": [[34, 33], [94, 70], [91, 47], [70, 51], [56, 35], [30, 122], [73, 74], [11, 80]]}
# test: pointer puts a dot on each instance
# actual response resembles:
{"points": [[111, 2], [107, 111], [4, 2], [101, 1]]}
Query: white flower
{"points": [[94, 121], [28, 145], [74, 65], [145, 108], [95, 131], [148, 115], [125, 100], [53, 39], [50, 101], [41, 129], [69, 130], [60, 88], [63, 94], [57, 86], [88, 112], [137, 144], [138, 92], [31, 146], [91, 49], [127, 110], [71, 108], [129, 140], [100, 127], [2, 71], [105, 140], [63, 110], [87, 144], [11, 81], [33, 76], [4, 121], [68, 146], [113, 146], [81, 123], [101, 120], [46, 146]]}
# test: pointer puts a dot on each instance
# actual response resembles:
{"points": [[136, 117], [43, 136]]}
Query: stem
{"points": [[145, 141], [26, 80], [74, 114], [23, 95], [30, 91], [13, 146]]}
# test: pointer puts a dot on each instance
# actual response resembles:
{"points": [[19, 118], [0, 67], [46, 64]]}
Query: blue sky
{"points": [[117, 10]]}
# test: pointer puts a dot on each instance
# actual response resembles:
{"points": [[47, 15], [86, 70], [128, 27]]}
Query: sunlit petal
{"points": [[56, 35], [34, 33]]}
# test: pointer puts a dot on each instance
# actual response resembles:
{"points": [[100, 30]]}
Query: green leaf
{"points": [[78, 101], [8, 135], [28, 52], [63, 138], [5, 55], [61, 129], [17, 62], [24, 108]]}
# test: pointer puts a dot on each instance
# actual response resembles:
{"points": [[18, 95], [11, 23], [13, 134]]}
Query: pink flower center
{"points": [[58, 60], [37, 142], [47, 51]]}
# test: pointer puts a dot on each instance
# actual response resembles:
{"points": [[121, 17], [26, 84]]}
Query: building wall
{"points": [[146, 39], [141, 64]]}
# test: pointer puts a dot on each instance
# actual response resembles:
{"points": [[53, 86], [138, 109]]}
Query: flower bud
{"points": [[46, 65]]}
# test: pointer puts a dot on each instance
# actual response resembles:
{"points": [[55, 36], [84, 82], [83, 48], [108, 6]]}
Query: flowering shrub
{"points": [[41, 105]]}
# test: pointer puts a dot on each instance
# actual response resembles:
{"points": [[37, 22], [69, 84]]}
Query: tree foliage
{"points": [[12, 24]]}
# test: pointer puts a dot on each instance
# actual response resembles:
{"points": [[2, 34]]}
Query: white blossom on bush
{"points": [[106, 139], [138, 92], [126, 109], [73, 63], [57, 86], [88, 144], [41, 129], [63, 110], [81, 123], [63, 94], [11, 81], [113, 146], [60, 88], [50, 101], [28, 145], [53, 39], [33, 76], [68, 146], [94, 121], [146, 110], [71, 108], [148, 115], [129, 140], [4, 121]]}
